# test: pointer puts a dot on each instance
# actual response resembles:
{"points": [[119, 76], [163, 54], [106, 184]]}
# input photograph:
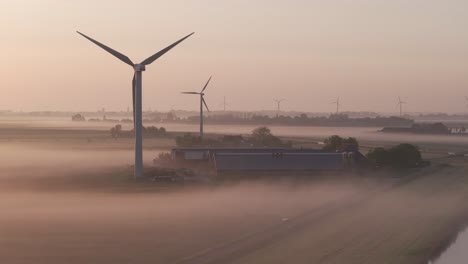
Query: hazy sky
{"points": [[308, 52]]}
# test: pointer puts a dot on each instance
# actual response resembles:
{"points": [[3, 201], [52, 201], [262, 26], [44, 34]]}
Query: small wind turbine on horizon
{"points": [[224, 104], [202, 102], [278, 103], [337, 102], [400, 104], [466, 98], [137, 94]]}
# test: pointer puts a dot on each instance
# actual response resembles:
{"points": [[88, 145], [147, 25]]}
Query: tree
{"points": [[116, 131], [337, 143], [333, 143], [405, 156], [78, 118], [262, 136], [400, 156], [118, 128], [379, 156]]}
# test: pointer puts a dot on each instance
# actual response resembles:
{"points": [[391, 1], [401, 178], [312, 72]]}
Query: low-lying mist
{"points": [[76, 222], [68, 205]]}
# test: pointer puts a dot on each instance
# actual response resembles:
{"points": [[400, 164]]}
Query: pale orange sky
{"points": [[309, 52]]}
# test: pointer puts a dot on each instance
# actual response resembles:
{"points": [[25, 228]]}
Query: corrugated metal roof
{"points": [[285, 161]]}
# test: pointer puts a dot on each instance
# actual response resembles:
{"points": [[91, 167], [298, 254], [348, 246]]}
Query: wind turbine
{"points": [[400, 104], [137, 94], [337, 102], [278, 109], [466, 98], [224, 104], [202, 102]]}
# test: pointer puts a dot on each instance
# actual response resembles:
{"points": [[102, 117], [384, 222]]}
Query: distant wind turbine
{"points": [[400, 104], [137, 94], [202, 102], [337, 103], [224, 104], [466, 98], [278, 103]]}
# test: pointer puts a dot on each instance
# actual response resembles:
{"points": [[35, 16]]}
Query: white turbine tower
{"points": [[400, 104], [137, 95], [202, 102]]}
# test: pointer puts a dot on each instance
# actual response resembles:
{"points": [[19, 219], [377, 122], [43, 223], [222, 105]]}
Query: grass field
{"points": [[66, 196]]}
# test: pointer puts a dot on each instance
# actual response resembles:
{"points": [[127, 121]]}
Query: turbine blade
{"points": [[203, 100], [117, 54], [206, 84], [160, 53], [133, 99], [190, 93]]}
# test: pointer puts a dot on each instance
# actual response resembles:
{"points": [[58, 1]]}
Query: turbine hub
{"points": [[139, 67]]}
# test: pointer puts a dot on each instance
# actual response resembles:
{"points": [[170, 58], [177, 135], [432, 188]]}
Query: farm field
{"points": [[66, 197]]}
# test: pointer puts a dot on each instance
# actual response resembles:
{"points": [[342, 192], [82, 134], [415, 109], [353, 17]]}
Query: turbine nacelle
{"points": [[139, 67]]}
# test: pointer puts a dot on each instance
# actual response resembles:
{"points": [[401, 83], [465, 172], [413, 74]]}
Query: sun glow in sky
{"points": [[368, 52]]}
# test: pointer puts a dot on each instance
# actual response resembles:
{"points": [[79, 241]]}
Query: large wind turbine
{"points": [[278, 107], [337, 102], [400, 104], [137, 94], [202, 102]]}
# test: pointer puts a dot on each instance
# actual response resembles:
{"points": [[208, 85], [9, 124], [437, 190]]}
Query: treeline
{"points": [[260, 137], [303, 120], [401, 156], [423, 128], [151, 131]]}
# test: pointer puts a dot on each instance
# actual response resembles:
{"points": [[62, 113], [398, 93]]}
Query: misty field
{"points": [[66, 196]]}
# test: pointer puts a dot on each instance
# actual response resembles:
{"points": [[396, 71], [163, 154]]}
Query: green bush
{"points": [[400, 156]]}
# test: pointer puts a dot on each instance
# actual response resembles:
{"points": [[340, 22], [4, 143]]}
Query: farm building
{"points": [[263, 160]]}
